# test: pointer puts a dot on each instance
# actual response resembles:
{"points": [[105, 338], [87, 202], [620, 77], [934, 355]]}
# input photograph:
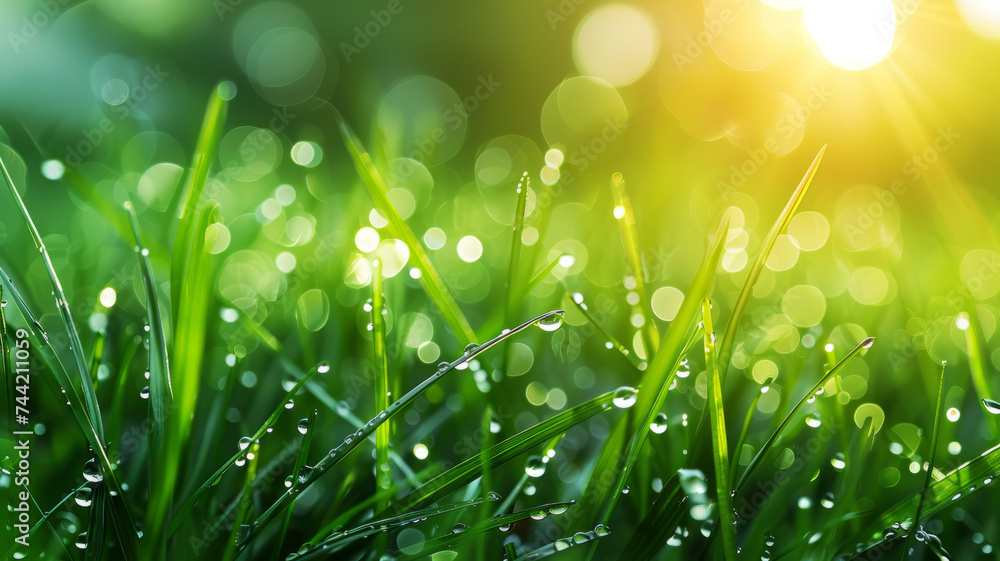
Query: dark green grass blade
{"points": [[449, 540], [383, 474], [208, 141], [244, 510], [729, 335], [76, 347], [720, 448], [185, 509], [429, 277], [766, 447], [615, 343], [652, 533], [352, 441], [562, 544], [45, 516], [512, 287], [300, 464], [502, 452], [97, 527], [621, 448], [162, 465], [633, 256], [121, 516]]}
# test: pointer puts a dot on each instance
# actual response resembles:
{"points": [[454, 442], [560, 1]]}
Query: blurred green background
{"points": [[708, 109]]}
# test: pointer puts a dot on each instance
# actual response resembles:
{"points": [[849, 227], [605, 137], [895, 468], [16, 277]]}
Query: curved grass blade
{"points": [[429, 277], [185, 509], [577, 300], [383, 475], [452, 539], [352, 441], [720, 449], [511, 292], [562, 544], [76, 347], [204, 152], [162, 465], [621, 449], [633, 256], [979, 364], [502, 452], [121, 516], [766, 447], [729, 335], [244, 508]]}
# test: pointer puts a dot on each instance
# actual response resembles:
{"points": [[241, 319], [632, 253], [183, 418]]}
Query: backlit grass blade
{"points": [[244, 510], [928, 476], [729, 335], [352, 441], [502, 452], [738, 449], [76, 347], [190, 196], [121, 516], [185, 509], [621, 449], [162, 464], [720, 448], [766, 447], [577, 300], [972, 476], [450, 540], [514, 261], [383, 475], [633, 256], [979, 364], [430, 279], [540, 276]]}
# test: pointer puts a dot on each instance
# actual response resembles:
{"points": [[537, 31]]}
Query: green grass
{"points": [[254, 450]]}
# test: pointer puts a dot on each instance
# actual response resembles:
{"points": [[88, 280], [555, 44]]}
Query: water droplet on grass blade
{"points": [[538, 514], [867, 343], [550, 323], [992, 406], [601, 530], [303, 426], [493, 496], [535, 467], [459, 528], [659, 424], [244, 442], [81, 540], [144, 393], [625, 397], [91, 472], [84, 496]]}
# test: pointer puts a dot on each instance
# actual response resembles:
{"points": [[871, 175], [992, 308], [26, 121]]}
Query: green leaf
{"points": [[383, 474], [633, 256], [512, 287]]}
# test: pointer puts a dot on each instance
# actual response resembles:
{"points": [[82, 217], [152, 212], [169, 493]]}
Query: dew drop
{"points": [[659, 424], [471, 348], [992, 406], [538, 514], [81, 540], [601, 530], [493, 496], [244, 442], [550, 323], [303, 426], [144, 393], [289, 404], [84, 496], [535, 467], [867, 343], [91, 472], [625, 397], [459, 528]]}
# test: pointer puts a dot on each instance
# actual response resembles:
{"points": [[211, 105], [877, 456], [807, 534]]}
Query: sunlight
{"points": [[851, 34]]}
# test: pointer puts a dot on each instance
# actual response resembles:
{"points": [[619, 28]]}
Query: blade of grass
{"points": [[633, 256], [933, 458], [720, 449], [45, 515], [502, 452], [577, 300], [8, 378], [655, 529], [244, 510], [737, 450], [429, 277], [352, 441], [766, 447], [185, 508], [562, 544], [729, 335], [383, 475], [300, 464], [979, 365], [121, 516], [512, 285], [97, 528], [162, 464]]}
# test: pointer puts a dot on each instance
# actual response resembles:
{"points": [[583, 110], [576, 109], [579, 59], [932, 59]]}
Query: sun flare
{"points": [[851, 34]]}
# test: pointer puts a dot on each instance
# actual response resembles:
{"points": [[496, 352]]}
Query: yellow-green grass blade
{"points": [[383, 473], [738, 449], [633, 257], [352, 441], [621, 449], [185, 508], [768, 444], [429, 277], [162, 465], [729, 335], [450, 539], [577, 300], [979, 364], [244, 510], [512, 287], [207, 145], [502, 452], [121, 516], [720, 448], [496, 320], [76, 347], [928, 477]]}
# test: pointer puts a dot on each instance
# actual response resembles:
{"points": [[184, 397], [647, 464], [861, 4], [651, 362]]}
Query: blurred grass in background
{"points": [[711, 111]]}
